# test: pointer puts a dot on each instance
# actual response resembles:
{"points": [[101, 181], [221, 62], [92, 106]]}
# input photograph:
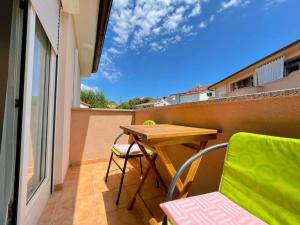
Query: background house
{"points": [[198, 93], [84, 105], [277, 71]]}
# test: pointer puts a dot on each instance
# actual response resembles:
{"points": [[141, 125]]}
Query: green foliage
{"points": [[98, 100], [111, 105], [124, 105], [95, 99], [132, 102]]}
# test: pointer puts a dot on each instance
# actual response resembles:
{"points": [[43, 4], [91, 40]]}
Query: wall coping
{"points": [[247, 97], [102, 110]]}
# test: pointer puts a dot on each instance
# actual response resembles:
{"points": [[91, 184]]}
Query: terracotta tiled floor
{"points": [[87, 200]]}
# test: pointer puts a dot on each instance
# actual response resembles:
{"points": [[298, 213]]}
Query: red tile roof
{"points": [[86, 104]]}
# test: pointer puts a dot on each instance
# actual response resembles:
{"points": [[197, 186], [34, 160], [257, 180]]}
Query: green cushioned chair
{"points": [[126, 151], [261, 175]]}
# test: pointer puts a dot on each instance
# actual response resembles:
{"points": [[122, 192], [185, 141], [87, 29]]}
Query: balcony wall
{"points": [[244, 91], [93, 132], [275, 113], [291, 81]]}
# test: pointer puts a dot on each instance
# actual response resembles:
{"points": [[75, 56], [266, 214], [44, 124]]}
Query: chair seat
{"points": [[213, 208], [121, 150]]}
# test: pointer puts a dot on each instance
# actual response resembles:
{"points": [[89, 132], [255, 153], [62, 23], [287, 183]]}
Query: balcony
{"points": [[245, 91], [86, 199]]}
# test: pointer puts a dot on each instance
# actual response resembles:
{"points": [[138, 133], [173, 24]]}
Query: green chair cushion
{"points": [[149, 122], [262, 175], [121, 150]]}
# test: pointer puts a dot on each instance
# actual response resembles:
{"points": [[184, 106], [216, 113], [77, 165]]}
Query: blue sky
{"points": [[158, 47]]}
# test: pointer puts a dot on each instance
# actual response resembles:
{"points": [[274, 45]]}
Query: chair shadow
{"points": [[117, 215], [87, 199]]}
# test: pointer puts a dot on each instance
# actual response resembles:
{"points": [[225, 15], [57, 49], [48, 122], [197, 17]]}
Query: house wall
{"points": [[66, 75], [291, 81], [194, 97], [189, 98], [287, 53], [93, 132], [276, 113]]}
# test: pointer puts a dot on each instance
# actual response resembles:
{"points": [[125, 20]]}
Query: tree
{"points": [[124, 105], [133, 102], [95, 99], [111, 105]]}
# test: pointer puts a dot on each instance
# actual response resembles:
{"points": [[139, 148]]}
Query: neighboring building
{"points": [[199, 93], [84, 105], [46, 47], [153, 103], [279, 70]]}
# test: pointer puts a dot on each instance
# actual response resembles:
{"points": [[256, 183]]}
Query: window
{"points": [[221, 92], [292, 65], [247, 82], [39, 111]]}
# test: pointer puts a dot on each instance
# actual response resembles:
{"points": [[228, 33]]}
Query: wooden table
{"points": [[157, 137]]}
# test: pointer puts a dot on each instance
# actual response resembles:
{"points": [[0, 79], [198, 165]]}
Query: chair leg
{"points": [[108, 168], [165, 220], [122, 179], [141, 166], [157, 181]]}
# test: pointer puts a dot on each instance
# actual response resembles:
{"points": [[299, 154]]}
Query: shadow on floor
{"points": [[87, 200]]}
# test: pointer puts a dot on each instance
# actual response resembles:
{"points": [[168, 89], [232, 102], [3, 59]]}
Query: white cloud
{"points": [[186, 28], [175, 19], [202, 25], [196, 10], [271, 3], [88, 88], [113, 51], [135, 24], [154, 25], [156, 47], [107, 69], [246, 3], [233, 3]]}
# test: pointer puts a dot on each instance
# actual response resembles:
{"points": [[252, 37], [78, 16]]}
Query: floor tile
{"points": [[86, 199]]}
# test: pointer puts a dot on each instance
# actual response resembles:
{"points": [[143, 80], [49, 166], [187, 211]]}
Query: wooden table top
{"points": [[166, 131]]}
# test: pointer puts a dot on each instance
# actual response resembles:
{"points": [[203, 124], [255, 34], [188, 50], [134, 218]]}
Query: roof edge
{"points": [[103, 17]]}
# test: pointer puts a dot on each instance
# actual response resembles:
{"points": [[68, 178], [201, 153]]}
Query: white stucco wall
{"points": [[65, 90], [194, 98]]}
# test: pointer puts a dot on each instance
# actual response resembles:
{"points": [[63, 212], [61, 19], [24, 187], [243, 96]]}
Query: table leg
{"points": [[191, 173], [151, 163], [141, 183], [169, 166]]}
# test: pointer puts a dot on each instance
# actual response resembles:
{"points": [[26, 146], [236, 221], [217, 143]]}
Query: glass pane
{"points": [[39, 107]]}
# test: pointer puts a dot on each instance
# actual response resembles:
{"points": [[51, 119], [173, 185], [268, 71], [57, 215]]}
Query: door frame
{"points": [[29, 213]]}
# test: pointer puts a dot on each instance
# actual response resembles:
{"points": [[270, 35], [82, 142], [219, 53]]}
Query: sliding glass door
{"points": [[37, 124], [39, 111]]}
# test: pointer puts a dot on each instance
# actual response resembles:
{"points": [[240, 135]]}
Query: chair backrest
{"points": [[262, 175], [149, 122]]}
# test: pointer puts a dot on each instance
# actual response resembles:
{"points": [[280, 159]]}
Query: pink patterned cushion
{"points": [[122, 149], [209, 209]]}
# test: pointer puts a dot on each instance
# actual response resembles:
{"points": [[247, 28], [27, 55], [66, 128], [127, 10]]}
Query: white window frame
{"points": [[29, 213]]}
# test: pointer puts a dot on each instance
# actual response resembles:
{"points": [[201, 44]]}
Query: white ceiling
{"points": [[85, 23]]}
